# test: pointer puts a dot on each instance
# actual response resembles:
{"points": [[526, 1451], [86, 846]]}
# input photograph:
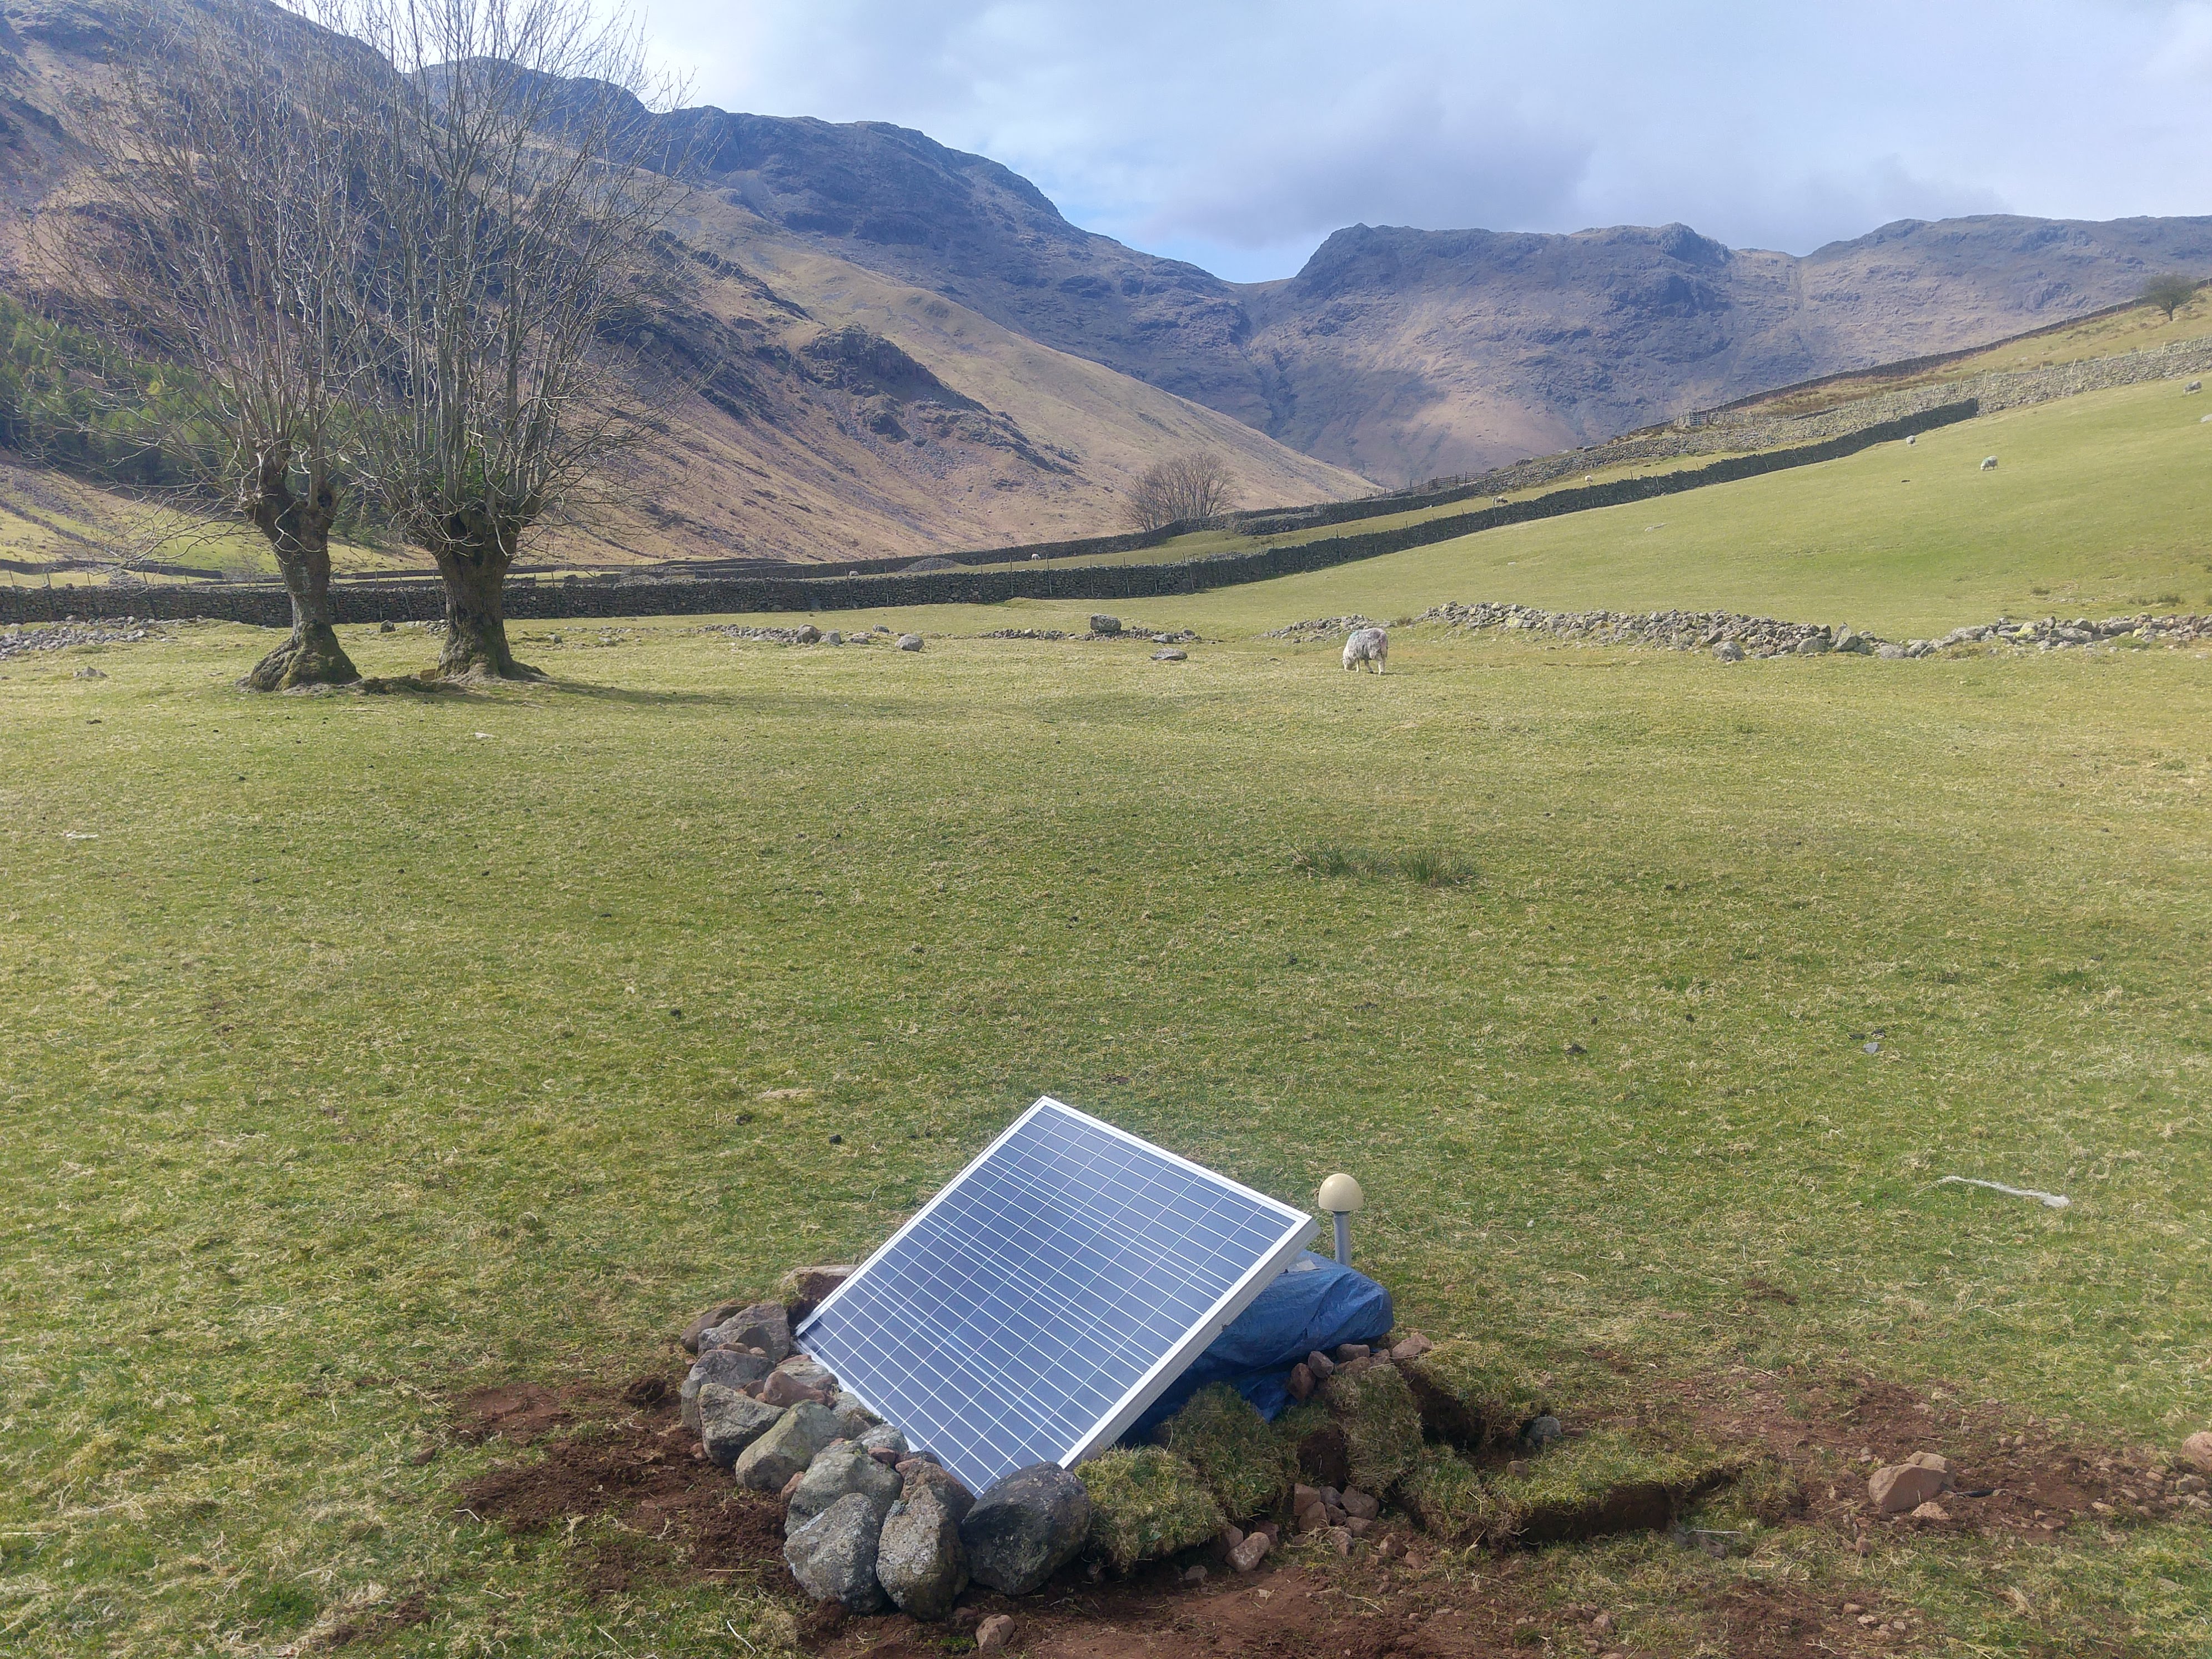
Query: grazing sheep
{"points": [[1912, 440], [1501, 501], [2194, 386], [1988, 463], [1366, 645]]}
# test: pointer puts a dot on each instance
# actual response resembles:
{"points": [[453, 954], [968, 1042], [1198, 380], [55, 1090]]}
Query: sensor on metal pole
{"points": [[1340, 1196]]}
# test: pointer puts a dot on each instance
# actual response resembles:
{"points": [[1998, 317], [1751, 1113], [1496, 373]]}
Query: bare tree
{"points": [[518, 185], [1189, 489], [2169, 293], [222, 234]]}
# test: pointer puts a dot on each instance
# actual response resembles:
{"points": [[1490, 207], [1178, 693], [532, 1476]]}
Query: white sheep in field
{"points": [[1366, 645], [1988, 463]]}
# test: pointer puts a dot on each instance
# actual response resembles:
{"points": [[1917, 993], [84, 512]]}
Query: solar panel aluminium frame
{"points": [[1300, 1230]]}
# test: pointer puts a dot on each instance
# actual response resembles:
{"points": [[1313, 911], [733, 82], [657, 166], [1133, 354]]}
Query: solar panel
{"points": [[1049, 1293]]}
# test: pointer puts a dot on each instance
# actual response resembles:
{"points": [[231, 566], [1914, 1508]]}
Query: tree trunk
{"points": [[299, 532], [473, 563]]}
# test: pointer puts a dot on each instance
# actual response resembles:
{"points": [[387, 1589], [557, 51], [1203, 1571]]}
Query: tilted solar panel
{"points": [[1032, 1309]]}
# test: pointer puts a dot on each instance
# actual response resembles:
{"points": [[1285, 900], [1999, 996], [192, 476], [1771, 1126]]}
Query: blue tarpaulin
{"points": [[1316, 1303]]}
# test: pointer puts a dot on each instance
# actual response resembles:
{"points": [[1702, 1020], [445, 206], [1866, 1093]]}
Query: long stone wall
{"points": [[529, 597]]}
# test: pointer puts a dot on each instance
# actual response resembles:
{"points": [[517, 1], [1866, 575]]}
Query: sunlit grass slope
{"points": [[2099, 505], [359, 1050]]}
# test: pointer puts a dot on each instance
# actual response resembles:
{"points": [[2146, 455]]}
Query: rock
{"points": [[918, 1472], [996, 1631], [856, 1418], [1898, 1487], [1348, 1352], [808, 634], [727, 1422], [1729, 651], [842, 1468], [1892, 652], [1194, 1576], [834, 1555], [1301, 1385], [1320, 1365], [1541, 1432], [810, 1373], [386, 627], [1359, 1504], [833, 637], [734, 1368], [1931, 1510], [1848, 640], [883, 1437], [2197, 1451], [910, 642], [786, 1448], [1932, 1460], [1248, 1555], [90, 674], [1105, 624], [782, 1389], [920, 1559], [1339, 1540], [1025, 1528], [805, 1289], [1171, 654], [1412, 1348], [708, 1321], [763, 1325], [1813, 645]]}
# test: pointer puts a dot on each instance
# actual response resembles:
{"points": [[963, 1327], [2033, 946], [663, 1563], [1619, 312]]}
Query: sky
{"points": [[1238, 135]]}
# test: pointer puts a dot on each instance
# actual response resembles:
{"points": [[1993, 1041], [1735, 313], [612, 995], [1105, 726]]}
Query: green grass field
{"points": [[2099, 505], [345, 1069]]}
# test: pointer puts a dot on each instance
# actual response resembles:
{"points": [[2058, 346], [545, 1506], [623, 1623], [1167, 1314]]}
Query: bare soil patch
{"points": [[618, 1453]]}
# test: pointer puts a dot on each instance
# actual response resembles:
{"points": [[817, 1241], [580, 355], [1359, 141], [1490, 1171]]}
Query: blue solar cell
{"points": [[1049, 1293]]}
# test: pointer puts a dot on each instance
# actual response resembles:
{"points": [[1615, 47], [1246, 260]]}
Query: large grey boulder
{"points": [[920, 1559], [764, 1325], [786, 1448], [883, 1437], [854, 1419], [1025, 1528], [839, 1468], [730, 1422], [834, 1555], [730, 1367]]}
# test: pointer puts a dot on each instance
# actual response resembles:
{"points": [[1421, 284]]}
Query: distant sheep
{"points": [[2194, 386], [1988, 463], [1911, 440], [1501, 501], [1366, 645]]}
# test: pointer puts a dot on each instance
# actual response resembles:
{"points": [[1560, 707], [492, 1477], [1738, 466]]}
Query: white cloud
{"points": [[1240, 132]]}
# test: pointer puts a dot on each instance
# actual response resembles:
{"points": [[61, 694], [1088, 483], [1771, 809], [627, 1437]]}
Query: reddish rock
{"points": [[2197, 1450], [1348, 1352], [1301, 1384], [1319, 1365], [1412, 1348], [1360, 1504], [1902, 1487], [996, 1631]]}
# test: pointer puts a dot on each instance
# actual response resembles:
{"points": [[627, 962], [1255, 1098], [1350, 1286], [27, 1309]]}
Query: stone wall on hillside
{"points": [[529, 598]]}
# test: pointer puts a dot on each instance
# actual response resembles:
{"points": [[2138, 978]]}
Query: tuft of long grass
{"points": [[1424, 866]]}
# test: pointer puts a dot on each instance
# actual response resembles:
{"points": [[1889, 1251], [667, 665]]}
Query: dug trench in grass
{"points": [[1457, 1440]]}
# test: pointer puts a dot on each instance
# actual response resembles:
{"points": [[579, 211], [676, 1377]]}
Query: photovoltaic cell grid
{"points": [[1046, 1292]]}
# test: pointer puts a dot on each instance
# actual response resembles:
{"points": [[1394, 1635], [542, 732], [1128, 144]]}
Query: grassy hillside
{"points": [[366, 1050], [2101, 505]]}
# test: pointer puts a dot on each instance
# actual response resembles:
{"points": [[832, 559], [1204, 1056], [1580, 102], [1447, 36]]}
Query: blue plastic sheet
{"points": [[1316, 1303]]}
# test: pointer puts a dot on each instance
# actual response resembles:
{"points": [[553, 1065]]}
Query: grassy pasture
{"points": [[344, 1068], [2100, 504]]}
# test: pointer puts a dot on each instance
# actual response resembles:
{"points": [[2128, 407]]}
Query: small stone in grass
{"points": [[1339, 1540], [1931, 1510], [1412, 1348], [910, 642], [1301, 1382], [996, 1631], [2197, 1451]]}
